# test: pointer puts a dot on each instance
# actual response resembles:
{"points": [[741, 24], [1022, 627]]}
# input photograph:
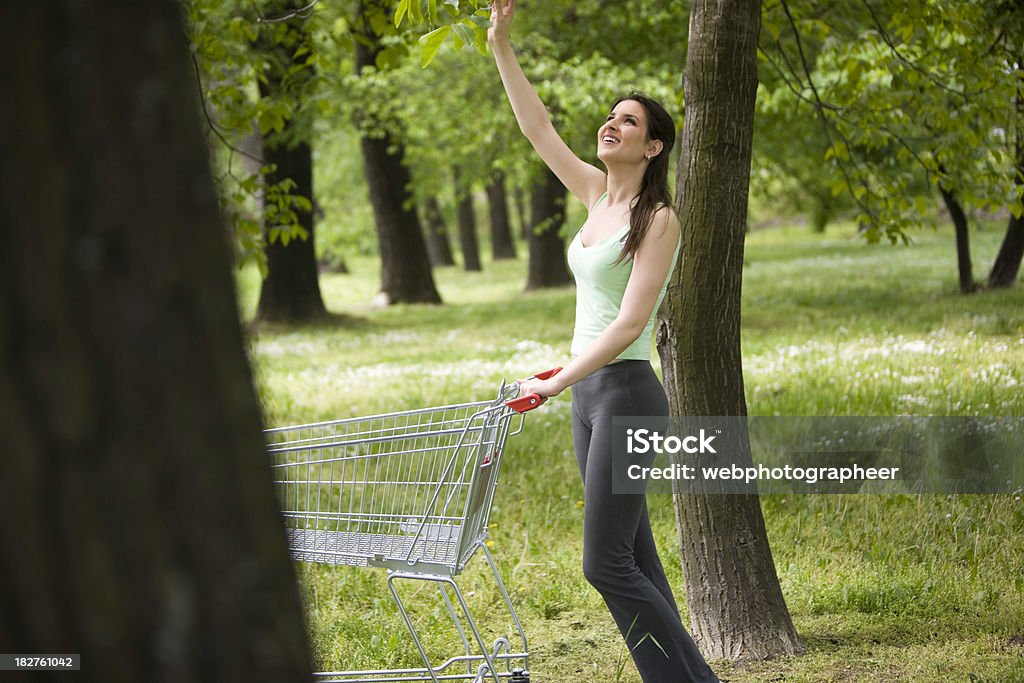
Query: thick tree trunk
{"points": [[963, 241], [1007, 264], [547, 266], [502, 246], [137, 515], [735, 603], [467, 225], [439, 248], [405, 269], [291, 290]]}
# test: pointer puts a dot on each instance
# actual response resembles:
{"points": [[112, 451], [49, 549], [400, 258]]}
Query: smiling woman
{"points": [[622, 258]]}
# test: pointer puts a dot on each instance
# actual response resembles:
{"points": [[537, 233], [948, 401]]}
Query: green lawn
{"points": [[881, 588]]}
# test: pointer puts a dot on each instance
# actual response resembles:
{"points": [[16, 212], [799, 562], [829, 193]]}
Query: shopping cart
{"points": [[410, 492]]}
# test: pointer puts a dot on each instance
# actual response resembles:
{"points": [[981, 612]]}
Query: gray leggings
{"points": [[619, 556]]}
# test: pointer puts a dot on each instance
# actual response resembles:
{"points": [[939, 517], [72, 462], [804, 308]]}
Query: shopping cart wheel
{"points": [[520, 676]]}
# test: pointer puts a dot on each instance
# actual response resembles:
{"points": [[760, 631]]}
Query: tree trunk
{"points": [[467, 225], [405, 269], [439, 248], [735, 603], [963, 241], [137, 514], [1011, 251], [502, 246], [1007, 263], [291, 290], [547, 247], [519, 201]]}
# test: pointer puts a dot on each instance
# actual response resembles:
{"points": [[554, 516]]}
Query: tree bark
{"points": [[735, 602], [963, 241], [137, 514], [502, 246], [405, 269], [291, 291], [547, 266], [439, 248], [467, 225], [1008, 260]]}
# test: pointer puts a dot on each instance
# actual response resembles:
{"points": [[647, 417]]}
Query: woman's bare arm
{"points": [[585, 181]]}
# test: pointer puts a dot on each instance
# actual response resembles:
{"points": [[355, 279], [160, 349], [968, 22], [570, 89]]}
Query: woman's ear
{"points": [[654, 148]]}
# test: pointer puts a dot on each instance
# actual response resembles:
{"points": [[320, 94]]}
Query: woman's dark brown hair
{"points": [[654, 187]]}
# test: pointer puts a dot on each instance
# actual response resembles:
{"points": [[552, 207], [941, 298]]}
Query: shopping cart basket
{"points": [[410, 492]]}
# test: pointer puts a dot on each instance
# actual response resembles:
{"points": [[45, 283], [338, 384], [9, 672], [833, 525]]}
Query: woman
{"points": [[621, 259]]}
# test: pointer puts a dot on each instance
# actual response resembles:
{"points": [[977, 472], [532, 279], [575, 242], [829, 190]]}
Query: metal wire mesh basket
{"points": [[411, 492]]}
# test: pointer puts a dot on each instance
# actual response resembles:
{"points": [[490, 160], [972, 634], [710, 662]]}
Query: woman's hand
{"points": [[501, 20], [542, 387]]}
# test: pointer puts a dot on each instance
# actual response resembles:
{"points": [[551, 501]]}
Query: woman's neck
{"points": [[624, 182]]}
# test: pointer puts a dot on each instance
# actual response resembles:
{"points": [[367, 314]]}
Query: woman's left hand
{"points": [[542, 387]]}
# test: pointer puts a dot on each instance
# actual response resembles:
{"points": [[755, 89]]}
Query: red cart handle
{"points": [[531, 401]]}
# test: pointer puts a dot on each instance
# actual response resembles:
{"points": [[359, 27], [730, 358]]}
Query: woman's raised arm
{"points": [[585, 181]]}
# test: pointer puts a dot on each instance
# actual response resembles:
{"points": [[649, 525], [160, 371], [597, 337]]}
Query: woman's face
{"points": [[623, 137]]}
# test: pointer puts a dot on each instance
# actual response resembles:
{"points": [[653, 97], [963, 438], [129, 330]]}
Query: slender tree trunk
{"points": [[137, 514], [405, 268], [735, 603], [502, 246], [519, 201], [291, 290], [963, 241], [547, 247], [1007, 263], [1011, 252], [439, 248], [467, 225]]}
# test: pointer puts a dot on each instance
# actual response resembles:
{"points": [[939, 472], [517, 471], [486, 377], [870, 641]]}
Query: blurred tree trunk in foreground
{"points": [[547, 266], [137, 514], [735, 603]]}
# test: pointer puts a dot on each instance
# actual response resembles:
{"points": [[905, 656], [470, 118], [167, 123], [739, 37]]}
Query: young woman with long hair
{"points": [[621, 258]]}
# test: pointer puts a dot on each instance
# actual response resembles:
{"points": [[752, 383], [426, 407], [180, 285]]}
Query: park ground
{"points": [[923, 588]]}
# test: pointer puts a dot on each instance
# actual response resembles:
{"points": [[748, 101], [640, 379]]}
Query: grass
{"points": [[881, 588]]}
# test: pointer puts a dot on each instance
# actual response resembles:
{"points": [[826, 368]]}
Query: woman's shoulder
{"points": [[664, 223]]}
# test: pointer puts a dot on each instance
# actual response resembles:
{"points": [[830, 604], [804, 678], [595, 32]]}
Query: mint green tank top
{"points": [[600, 284]]}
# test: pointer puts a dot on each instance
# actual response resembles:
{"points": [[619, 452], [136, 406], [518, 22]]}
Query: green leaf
{"points": [[403, 7], [431, 43], [463, 35], [379, 23], [921, 205]]}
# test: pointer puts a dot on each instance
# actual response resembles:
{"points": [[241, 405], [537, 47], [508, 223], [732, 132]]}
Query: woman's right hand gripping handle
{"points": [[531, 401]]}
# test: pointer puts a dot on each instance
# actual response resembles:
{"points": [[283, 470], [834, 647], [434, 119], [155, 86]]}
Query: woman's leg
{"points": [[619, 555]]}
